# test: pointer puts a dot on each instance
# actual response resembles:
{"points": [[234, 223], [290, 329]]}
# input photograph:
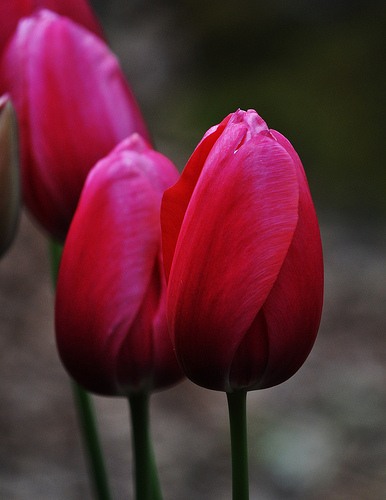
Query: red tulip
{"points": [[111, 326], [11, 11], [243, 259], [73, 106]]}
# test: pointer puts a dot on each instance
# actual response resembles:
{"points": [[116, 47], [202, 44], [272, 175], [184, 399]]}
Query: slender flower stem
{"points": [[147, 485], [88, 426], [85, 410], [239, 445]]}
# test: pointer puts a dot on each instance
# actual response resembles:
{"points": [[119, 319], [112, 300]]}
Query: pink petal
{"points": [[67, 88]]}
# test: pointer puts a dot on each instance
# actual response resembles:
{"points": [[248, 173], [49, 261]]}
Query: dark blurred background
{"points": [[315, 71]]}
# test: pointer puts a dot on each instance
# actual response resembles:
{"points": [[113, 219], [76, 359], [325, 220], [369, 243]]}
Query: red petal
{"points": [[145, 359], [233, 240], [293, 308], [176, 199], [240, 127], [251, 358], [110, 285]]}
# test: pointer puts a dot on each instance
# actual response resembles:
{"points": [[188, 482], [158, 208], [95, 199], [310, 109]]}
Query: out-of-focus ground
{"points": [[314, 71], [319, 436]]}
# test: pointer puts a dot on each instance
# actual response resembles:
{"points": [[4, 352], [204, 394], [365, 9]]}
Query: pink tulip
{"points": [[73, 106], [11, 11], [111, 323], [243, 259]]}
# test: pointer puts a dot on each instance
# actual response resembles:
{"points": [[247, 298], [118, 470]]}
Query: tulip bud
{"points": [[111, 326], [73, 106], [243, 259], [9, 174], [11, 11]]}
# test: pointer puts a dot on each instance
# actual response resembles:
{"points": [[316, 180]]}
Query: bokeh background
{"points": [[315, 71]]}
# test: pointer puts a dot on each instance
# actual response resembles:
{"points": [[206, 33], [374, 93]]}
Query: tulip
{"points": [[73, 107], [9, 174], [12, 11], [243, 259], [111, 325]]}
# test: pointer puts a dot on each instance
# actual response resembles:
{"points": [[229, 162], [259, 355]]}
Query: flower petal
{"points": [[12, 11], [293, 308], [235, 235], [240, 126], [105, 278], [176, 199], [66, 87]]}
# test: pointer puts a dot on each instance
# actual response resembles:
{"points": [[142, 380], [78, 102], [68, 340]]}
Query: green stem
{"points": [[85, 411], [86, 416], [147, 485], [239, 444]]}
